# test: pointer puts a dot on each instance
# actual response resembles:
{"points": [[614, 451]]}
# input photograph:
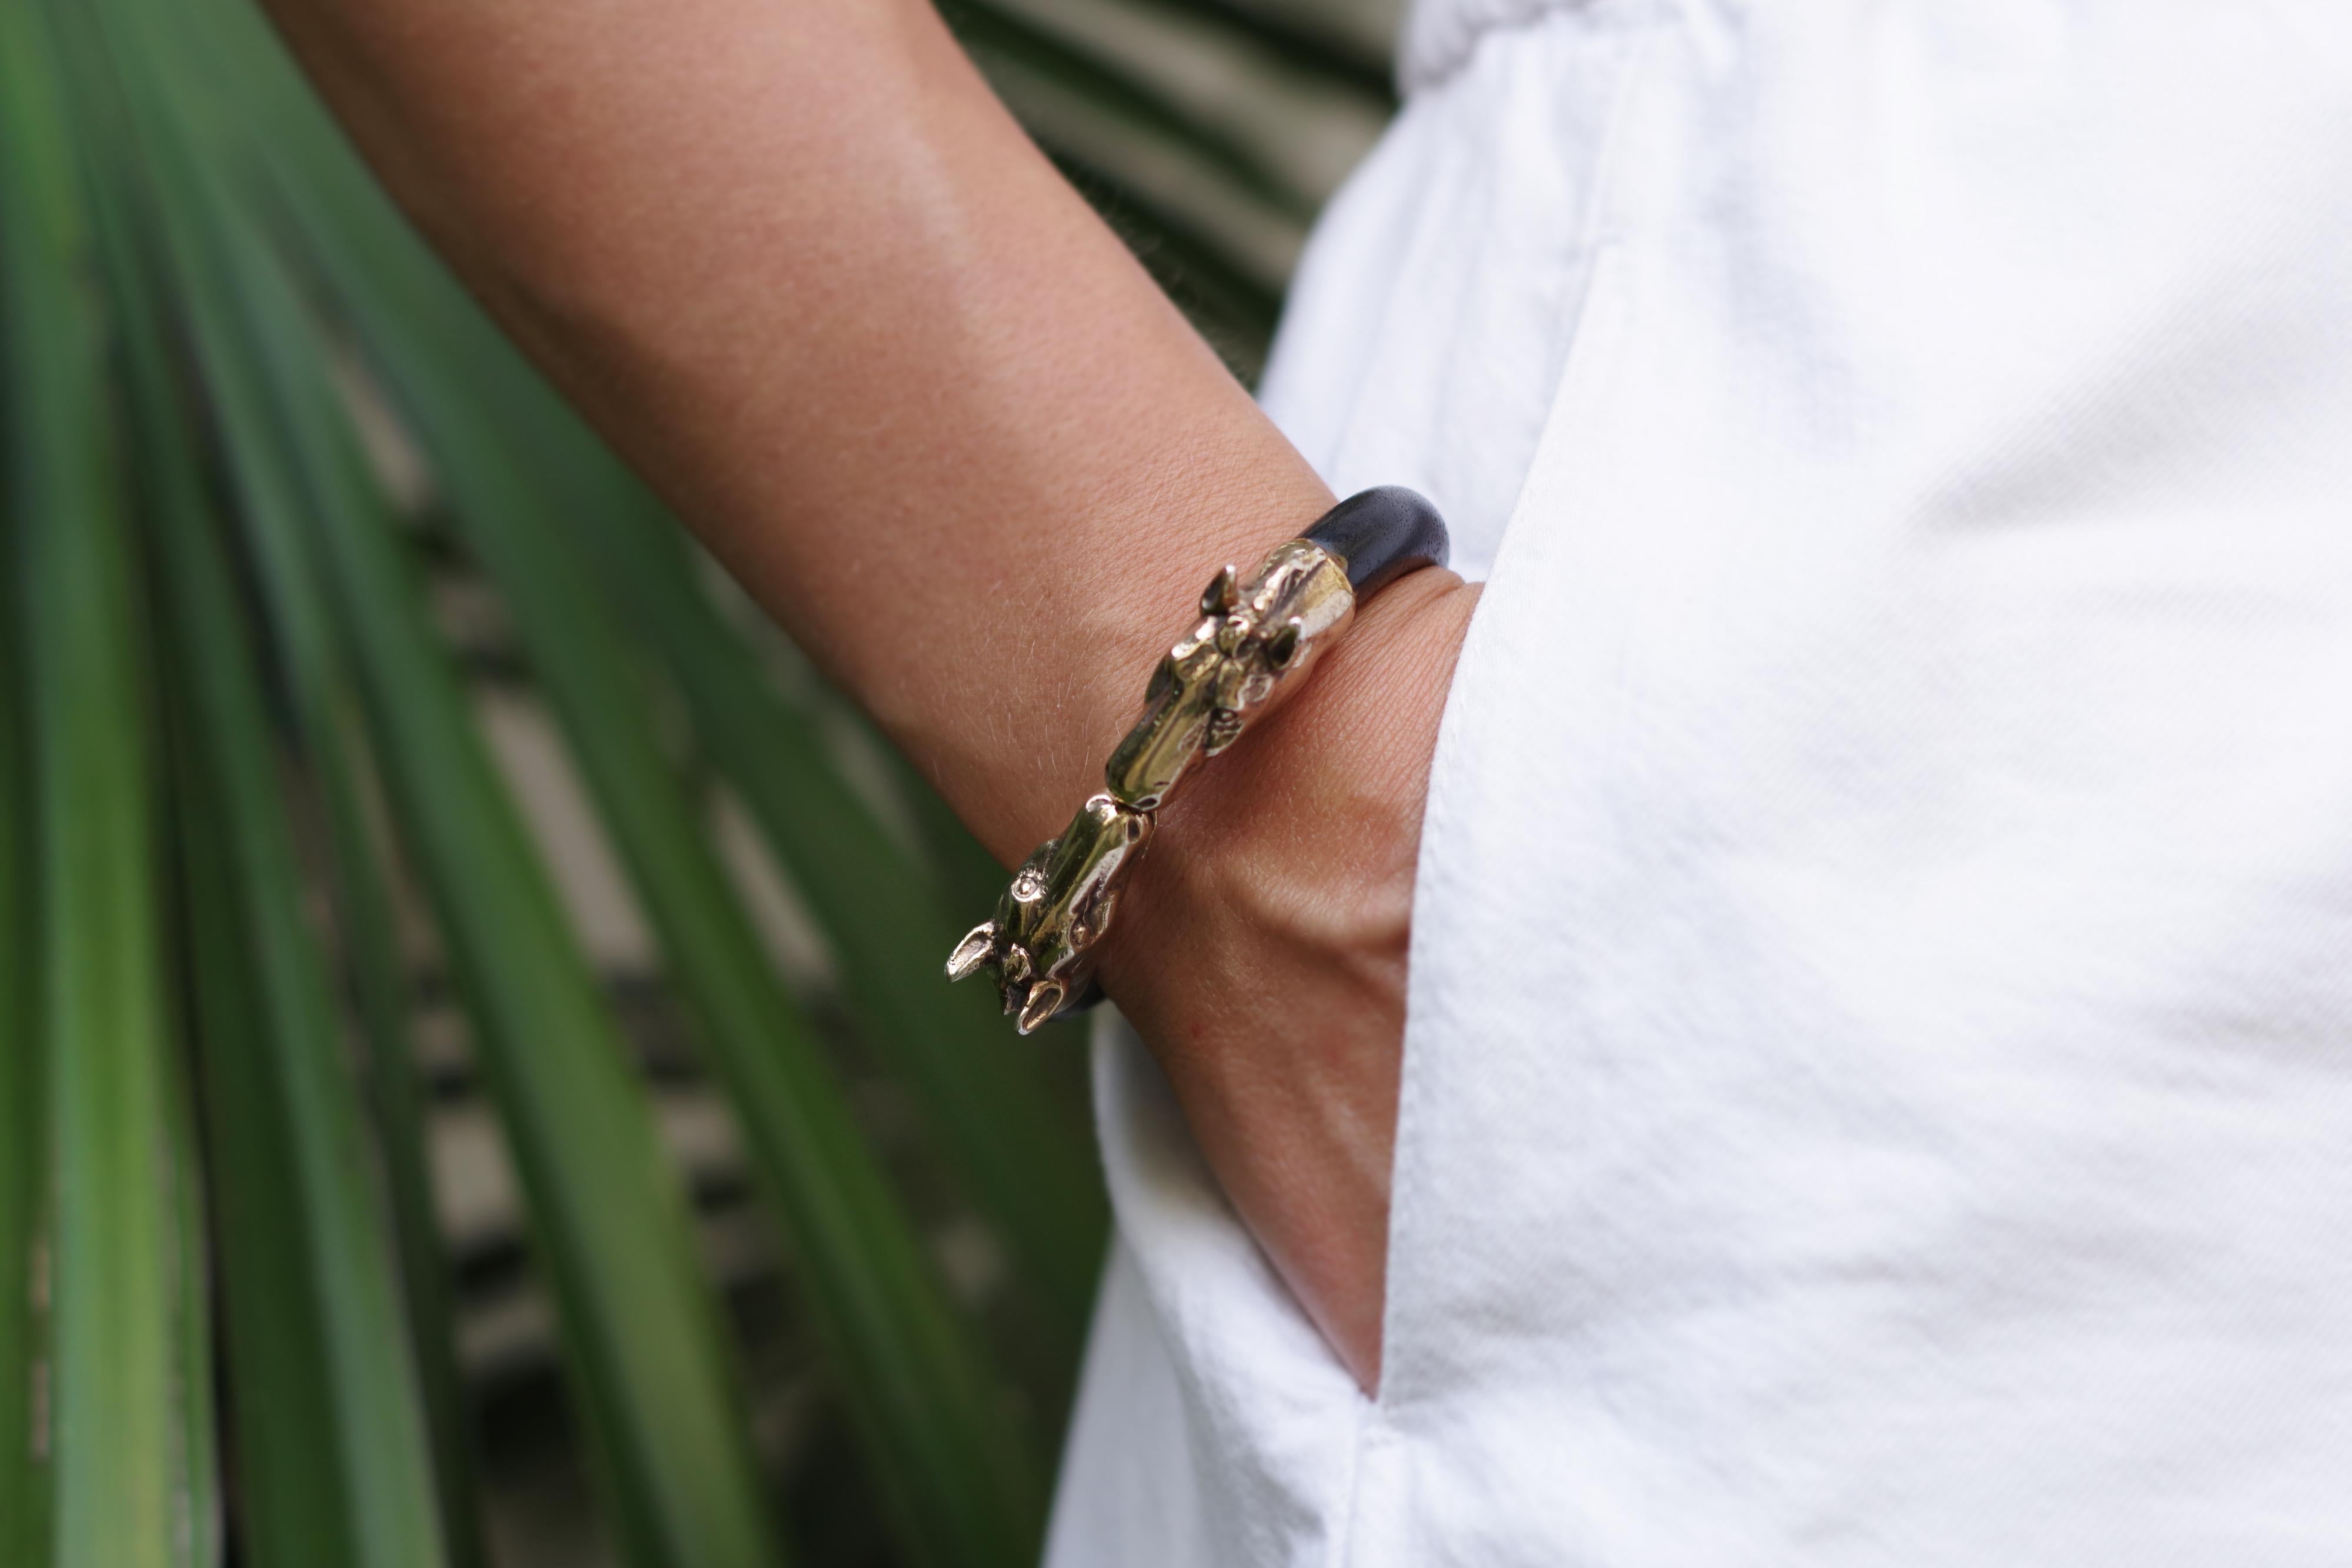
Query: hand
{"points": [[1261, 950]]}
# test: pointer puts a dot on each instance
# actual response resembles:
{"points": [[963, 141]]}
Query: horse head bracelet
{"points": [[1256, 637]]}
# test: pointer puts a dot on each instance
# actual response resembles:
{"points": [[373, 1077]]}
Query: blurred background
{"points": [[476, 1082]]}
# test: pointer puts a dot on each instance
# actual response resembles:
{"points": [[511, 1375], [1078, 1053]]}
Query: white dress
{"points": [[1878, 1084]]}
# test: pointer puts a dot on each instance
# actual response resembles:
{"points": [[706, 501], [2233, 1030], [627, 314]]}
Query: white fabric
{"points": [[1878, 1086]]}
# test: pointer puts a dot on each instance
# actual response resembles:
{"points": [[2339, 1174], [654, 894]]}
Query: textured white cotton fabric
{"points": [[1878, 1086]]}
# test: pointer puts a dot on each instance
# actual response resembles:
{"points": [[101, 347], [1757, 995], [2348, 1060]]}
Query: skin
{"points": [[801, 268]]}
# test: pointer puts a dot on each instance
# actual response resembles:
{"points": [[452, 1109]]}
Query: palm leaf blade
{"points": [[289, 1454], [301, 1223], [604, 1203], [24, 1135], [120, 1476], [363, 913], [605, 1206]]}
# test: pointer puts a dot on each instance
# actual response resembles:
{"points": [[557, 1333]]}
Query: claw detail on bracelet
{"points": [[1251, 637]]}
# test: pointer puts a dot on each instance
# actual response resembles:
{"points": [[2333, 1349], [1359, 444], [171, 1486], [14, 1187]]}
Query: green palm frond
{"points": [[259, 452], [123, 1476]]}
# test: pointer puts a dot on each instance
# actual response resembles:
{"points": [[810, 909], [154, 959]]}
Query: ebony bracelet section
{"points": [[1382, 534]]}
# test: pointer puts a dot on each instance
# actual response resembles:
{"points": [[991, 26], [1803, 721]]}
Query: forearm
{"points": [[799, 266], [797, 263]]}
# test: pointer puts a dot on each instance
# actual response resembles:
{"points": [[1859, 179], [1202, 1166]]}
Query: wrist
{"points": [[1016, 761], [1253, 640], [1294, 855], [1262, 953]]}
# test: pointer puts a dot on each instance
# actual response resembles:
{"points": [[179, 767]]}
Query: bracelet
{"points": [[1254, 637]]}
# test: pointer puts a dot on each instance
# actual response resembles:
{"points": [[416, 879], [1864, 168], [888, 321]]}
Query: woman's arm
{"points": [[797, 264]]}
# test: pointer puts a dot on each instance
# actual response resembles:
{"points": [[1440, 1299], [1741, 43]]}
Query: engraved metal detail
{"points": [[1252, 639]]}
